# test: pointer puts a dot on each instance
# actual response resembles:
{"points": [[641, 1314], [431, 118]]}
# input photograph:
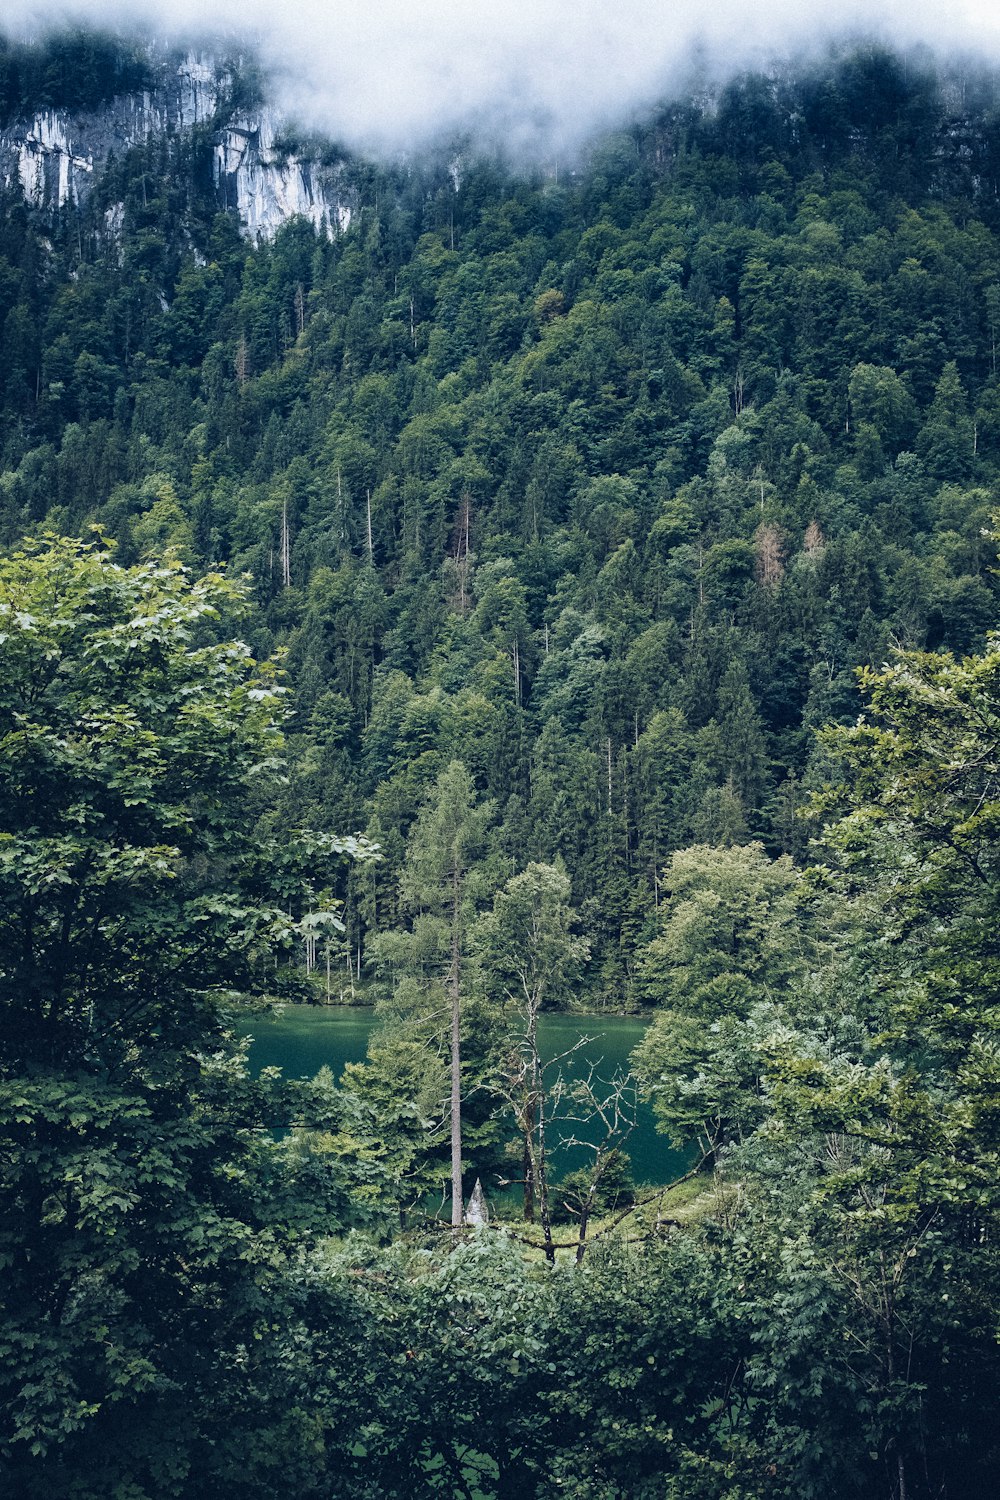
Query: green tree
{"points": [[881, 400], [916, 846], [136, 750], [447, 837], [741, 735], [884, 1092], [731, 939], [528, 957], [946, 441]]}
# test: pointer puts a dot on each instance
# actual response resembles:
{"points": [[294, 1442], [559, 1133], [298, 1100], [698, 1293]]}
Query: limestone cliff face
{"points": [[267, 186], [57, 156], [47, 165]]}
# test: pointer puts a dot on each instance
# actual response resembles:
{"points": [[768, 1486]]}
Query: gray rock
{"points": [[58, 155], [477, 1213]]}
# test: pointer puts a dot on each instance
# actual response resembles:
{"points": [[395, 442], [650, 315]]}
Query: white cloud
{"points": [[390, 71]]}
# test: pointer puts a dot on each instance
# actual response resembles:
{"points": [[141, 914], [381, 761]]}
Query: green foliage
{"points": [[406, 1081], [74, 70], [882, 1092], [138, 896], [734, 935], [575, 503], [731, 920], [918, 845], [623, 473], [527, 954]]}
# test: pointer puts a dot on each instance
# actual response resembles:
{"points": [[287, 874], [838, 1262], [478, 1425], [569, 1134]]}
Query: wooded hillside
{"points": [[604, 482], [615, 546]]}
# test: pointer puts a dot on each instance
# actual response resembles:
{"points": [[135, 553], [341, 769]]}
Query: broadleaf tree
{"points": [[138, 741]]}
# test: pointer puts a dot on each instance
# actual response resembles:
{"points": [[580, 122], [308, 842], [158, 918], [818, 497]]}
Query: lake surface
{"points": [[302, 1038]]}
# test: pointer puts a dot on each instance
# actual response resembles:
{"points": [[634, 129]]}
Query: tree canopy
{"points": [[614, 545], [137, 752]]}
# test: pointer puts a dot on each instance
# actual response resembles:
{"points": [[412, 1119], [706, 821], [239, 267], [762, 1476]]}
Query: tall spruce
{"points": [[447, 837]]}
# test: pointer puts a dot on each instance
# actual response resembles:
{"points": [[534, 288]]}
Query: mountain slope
{"points": [[604, 483]]}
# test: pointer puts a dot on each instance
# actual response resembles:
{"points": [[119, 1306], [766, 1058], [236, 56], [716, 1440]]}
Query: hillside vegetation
{"points": [[618, 556], [604, 483]]}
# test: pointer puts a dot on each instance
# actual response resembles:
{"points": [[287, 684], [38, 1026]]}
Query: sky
{"points": [[385, 73]]}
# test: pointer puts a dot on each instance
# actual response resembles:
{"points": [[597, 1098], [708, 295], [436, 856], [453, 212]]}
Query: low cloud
{"points": [[389, 73]]}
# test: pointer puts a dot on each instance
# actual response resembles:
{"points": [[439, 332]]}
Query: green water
{"points": [[301, 1039]]}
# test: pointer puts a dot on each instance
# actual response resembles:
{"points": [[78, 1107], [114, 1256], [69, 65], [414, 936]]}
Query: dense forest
{"points": [[558, 588]]}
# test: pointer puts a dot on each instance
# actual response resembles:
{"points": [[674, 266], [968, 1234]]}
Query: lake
{"points": [[302, 1038]]}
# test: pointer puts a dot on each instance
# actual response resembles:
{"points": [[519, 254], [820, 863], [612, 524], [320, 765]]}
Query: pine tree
{"points": [[447, 838], [742, 735]]}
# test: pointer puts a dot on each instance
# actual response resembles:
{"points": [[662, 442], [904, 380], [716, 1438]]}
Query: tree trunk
{"points": [[539, 1165], [286, 547], [528, 1169], [543, 1191], [454, 986], [581, 1243]]}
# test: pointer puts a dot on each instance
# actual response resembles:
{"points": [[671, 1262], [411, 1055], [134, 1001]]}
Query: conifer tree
{"points": [[446, 839]]}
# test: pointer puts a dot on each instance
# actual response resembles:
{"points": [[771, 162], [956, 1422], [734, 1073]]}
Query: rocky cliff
{"points": [[57, 155]]}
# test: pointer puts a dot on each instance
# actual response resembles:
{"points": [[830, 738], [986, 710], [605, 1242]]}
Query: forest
{"points": [[561, 589]]}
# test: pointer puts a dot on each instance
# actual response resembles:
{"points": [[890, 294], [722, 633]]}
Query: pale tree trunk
{"points": [[539, 1164], [529, 1119], [454, 987], [581, 1242], [286, 547], [889, 1313], [528, 1172], [542, 1176]]}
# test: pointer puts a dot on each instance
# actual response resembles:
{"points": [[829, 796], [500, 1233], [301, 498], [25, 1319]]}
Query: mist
{"points": [[538, 74]]}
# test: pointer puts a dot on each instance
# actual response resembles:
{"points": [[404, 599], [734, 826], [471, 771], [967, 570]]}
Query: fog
{"points": [[388, 73]]}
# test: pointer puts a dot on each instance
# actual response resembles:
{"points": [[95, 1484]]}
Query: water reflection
{"points": [[301, 1039]]}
